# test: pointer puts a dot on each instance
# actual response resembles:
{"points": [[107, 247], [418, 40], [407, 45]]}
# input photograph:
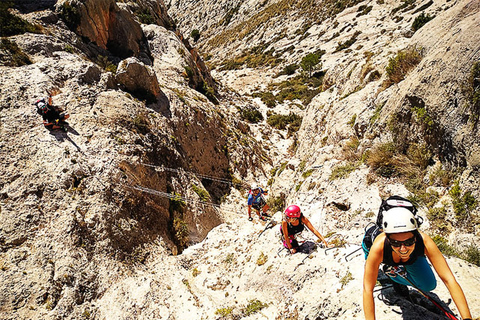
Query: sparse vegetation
{"points": [[17, 57], [202, 193], [195, 34], [250, 114], [346, 279], [262, 259], [180, 229], [291, 122], [11, 24], [463, 204], [342, 171], [256, 57], [224, 312], [349, 42], [254, 306], [70, 15], [472, 90], [145, 16], [420, 21], [402, 63]]}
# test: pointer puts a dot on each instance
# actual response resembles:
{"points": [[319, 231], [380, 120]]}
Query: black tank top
{"points": [[292, 230], [418, 251]]}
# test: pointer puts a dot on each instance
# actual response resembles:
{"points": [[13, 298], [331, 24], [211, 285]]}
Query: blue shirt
{"points": [[255, 198]]}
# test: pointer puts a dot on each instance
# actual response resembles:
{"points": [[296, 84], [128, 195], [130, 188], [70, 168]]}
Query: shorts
{"points": [[259, 205]]}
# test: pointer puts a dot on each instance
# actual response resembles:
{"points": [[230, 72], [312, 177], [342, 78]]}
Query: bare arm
{"points": [[285, 235], [374, 259], [444, 272], [312, 228]]}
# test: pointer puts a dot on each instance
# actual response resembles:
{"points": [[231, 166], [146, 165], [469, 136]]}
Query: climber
{"points": [[403, 251], [293, 223], [52, 116], [257, 202]]}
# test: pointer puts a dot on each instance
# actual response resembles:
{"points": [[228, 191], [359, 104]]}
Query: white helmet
{"points": [[398, 220], [254, 187]]}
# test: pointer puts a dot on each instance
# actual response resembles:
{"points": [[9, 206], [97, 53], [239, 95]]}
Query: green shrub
{"points": [[180, 229], [342, 171], [224, 312], [348, 43], [463, 204], [145, 16], [17, 56], [202, 193], [11, 24], [71, 15], [473, 88], [309, 62], [444, 247], [276, 203], [420, 21], [256, 57], [472, 255], [251, 114], [254, 306], [290, 69], [281, 122], [402, 63], [267, 97], [262, 259], [195, 34]]}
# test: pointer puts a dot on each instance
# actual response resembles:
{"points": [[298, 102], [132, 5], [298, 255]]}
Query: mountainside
{"points": [[138, 211]]}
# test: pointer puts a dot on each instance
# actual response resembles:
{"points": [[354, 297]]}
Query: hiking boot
{"points": [[401, 289]]}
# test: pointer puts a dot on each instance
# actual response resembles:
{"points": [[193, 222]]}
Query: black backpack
{"points": [[372, 230]]}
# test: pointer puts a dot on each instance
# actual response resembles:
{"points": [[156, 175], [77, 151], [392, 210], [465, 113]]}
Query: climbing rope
{"points": [[198, 175]]}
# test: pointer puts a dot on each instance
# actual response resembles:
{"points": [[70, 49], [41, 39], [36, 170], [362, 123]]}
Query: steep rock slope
{"points": [[73, 219]]}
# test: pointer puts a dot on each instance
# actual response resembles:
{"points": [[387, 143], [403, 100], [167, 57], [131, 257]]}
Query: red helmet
{"points": [[293, 211]]}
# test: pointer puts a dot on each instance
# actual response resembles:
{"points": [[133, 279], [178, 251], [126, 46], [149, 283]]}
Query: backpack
{"points": [[372, 230]]}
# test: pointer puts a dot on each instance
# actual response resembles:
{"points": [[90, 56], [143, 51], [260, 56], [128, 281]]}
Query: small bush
{"points": [[444, 247], [420, 21], [262, 259], [290, 69], [145, 16], [267, 97], [254, 306], [348, 43], [276, 203], [381, 160], [463, 204], [224, 312], [281, 122], [195, 34], [11, 24], [251, 114], [17, 57], [309, 62], [180, 229], [473, 88], [472, 255], [202, 193], [402, 63], [342, 171], [71, 15]]}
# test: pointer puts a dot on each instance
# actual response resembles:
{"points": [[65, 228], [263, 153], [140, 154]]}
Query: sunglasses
{"points": [[407, 243], [292, 218]]}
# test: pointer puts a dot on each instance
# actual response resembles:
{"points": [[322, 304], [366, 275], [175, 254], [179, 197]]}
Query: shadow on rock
{"points": [[414, 307]]}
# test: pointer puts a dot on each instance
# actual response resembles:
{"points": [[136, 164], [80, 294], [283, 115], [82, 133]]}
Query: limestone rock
{"points": [[138, 79]]}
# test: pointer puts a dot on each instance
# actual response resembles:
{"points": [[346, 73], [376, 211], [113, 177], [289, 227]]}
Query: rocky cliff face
{"points": [[93, 219]]}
